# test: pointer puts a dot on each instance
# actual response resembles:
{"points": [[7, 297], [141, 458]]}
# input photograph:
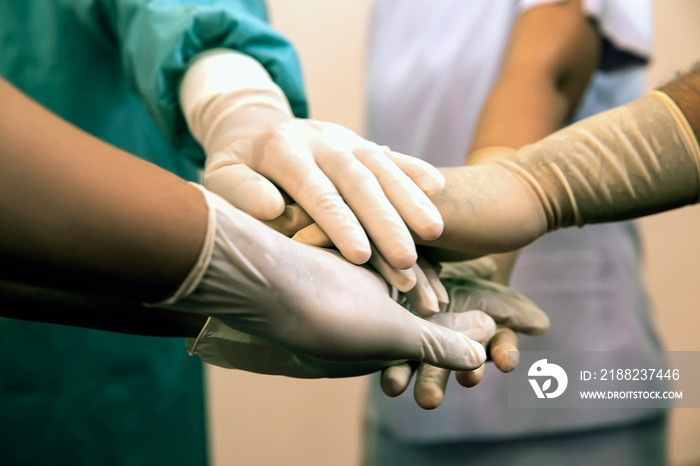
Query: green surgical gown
{"points": [[85, 397]]}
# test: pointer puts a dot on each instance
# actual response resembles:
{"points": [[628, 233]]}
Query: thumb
{"points": [[247, 190], [443, 347]]}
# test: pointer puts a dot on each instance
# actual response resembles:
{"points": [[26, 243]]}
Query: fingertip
{"points": [[481, 353], [470, 379], [357, 251], [404, 280], [402, 257], [432, 229], [394, 380], [391, 387], [541, 326], [271, 210], [506, 357], [432, 182], [427, 178], [428, 396], [474, 354], [427, 309], [357, 256], [513, 359], [247, 190], [274, 204]]}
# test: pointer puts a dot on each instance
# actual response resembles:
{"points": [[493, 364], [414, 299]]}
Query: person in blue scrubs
{"points": [[112, 68]]}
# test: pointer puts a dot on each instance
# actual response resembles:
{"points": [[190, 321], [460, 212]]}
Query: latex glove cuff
{"points": [[197, 273], [225, 75]]}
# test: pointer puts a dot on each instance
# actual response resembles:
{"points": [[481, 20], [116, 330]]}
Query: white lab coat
{"points": [[431, 64]]}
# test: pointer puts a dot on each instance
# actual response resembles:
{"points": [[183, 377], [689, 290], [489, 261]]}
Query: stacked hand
{"points": [[308, 300], [470, 288], [476, 305], [634, 160], [355, 190]]}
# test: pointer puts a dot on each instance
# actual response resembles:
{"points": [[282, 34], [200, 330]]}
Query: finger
{"points": [[422, 296], [427, 177], [412, 204], [515, 311], [442, 347], [314, 236], [382, 330], [396, 379], [432, 273], [362, 192], [292, 220], [317, 194], [503, 349], [431, 383], [505, 305], [471, 379], [477, 325], [247, 190], [483, 267], [402, 280]]}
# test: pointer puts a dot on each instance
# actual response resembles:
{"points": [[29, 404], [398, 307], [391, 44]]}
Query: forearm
{"points": [[27, 302], [552, 53], [523, 106], [79, 214], [685, 91], [634, 160]]}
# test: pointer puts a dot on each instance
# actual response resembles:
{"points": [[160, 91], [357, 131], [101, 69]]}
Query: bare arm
{"points": [[637, 159], [553, 51], [27, 302], [80, 215], [685, 91]]}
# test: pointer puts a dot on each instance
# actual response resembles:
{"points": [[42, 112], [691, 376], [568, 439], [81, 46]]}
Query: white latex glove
{"points": [[308, 300], [223, 346], [469, 289], [634, 160], [420, 284], [351, 187]]}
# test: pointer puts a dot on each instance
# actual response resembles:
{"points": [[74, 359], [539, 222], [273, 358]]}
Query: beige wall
{"points": [[261, 420]]}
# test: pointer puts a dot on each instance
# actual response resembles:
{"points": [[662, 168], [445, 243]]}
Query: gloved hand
{"points": [[223, 346], [634, 160], [419, 284], [307, 300], [347, 184], [469, 288]]}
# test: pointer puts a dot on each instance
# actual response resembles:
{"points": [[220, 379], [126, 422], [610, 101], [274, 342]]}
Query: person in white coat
{"points": [[450, 78]]}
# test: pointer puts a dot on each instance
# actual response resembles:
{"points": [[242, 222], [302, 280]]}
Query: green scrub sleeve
{"points": [[156, 40]]}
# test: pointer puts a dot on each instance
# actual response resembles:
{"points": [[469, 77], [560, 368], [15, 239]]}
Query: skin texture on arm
{"points": [[553, 51], [80, 215]]}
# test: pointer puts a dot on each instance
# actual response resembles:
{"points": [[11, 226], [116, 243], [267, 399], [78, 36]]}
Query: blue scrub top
{"points": [[111, 67]]}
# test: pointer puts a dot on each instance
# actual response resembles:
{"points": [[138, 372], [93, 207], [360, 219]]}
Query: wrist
{"points": [[194, 277], [231, 120], [487, 154], [221, 83]]}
